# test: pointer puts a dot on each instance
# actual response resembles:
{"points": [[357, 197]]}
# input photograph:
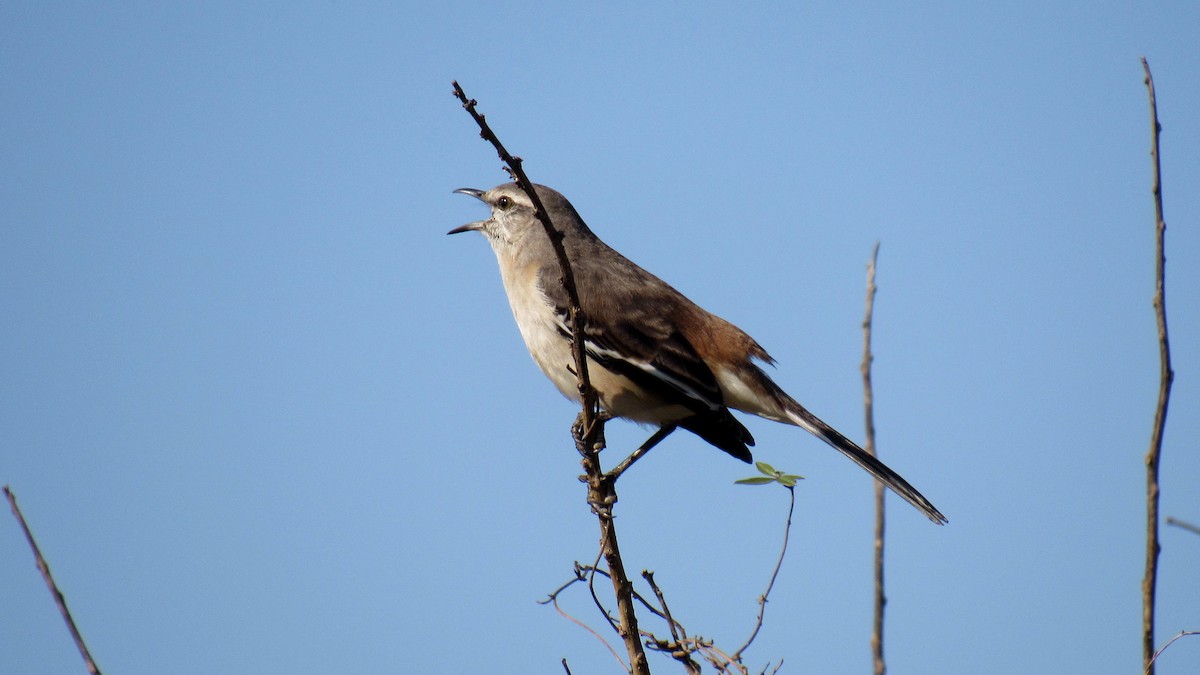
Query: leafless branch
{"points": [[762, 599], [1166, 376], [576, 322], [682, 655], [1183, 524], [880, 665], [580, 575], [59, 599], [566, 615], [1150, 666], [589, 427], [592, 571], [583, 573]]}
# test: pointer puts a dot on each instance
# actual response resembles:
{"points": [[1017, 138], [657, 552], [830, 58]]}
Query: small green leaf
{"points": [[755, 480], [765, 468]]}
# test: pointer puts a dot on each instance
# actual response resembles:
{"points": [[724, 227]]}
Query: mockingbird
{"points": [[654, 356]]}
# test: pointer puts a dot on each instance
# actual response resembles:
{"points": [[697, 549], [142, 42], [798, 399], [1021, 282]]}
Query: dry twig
{"points": [[762, 599], [879, 664], [589, 427], [1166, 376], [1182, 633], [1183, 525], [44, 568], [676, 648]]}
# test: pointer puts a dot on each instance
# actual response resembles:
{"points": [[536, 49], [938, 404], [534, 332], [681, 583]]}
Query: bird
{"points": [[653, 356]]}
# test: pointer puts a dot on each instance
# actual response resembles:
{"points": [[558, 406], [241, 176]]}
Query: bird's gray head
{"points": [[513, 222]]}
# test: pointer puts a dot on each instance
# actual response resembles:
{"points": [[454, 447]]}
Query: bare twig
{"points": [[879, 664], [582, 574], [602, 494], [44, 568], [679, 644], [1166, 376], [1150, 666], [676, 628], [1183, 524], [566, 615], [681, 654], [589, 428], [579, 576], [723, 662], [762, 599], [576, 322], [592, 570]]}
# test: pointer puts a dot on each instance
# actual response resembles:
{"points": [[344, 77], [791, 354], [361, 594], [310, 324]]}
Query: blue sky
{"points": [[265, 417]]}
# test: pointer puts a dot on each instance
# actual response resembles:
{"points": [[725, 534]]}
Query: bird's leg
{"points": [[654, 440], [602, 493]]}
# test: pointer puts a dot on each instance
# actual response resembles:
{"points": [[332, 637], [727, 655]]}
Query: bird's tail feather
{"points": [[801, 417]]}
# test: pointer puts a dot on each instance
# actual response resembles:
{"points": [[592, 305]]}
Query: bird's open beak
{"points": [[478, 194]]}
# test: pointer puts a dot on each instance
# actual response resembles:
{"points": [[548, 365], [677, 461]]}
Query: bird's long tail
{"points": [[803, 418]]}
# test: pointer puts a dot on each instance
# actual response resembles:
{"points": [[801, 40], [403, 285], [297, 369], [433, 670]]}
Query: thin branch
{"points": [[762, 599], [676, 628], [720, 660], [589, 427], [592, 570], [579, 576], [59, 599], [1150, 666], [576, 322], [602, 494], [636, 596], [1166, 376], [682, 654], [879, 664], [679, 642], [1183, 524], [563, 613]]}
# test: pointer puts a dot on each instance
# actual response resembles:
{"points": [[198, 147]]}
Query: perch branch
{"points": [[589, 427]]}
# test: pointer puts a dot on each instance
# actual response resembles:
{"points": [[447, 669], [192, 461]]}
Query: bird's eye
{"points": [[503, 203]]}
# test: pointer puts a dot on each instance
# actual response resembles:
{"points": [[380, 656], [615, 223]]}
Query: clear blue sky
{"points": [[264, 416]]}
